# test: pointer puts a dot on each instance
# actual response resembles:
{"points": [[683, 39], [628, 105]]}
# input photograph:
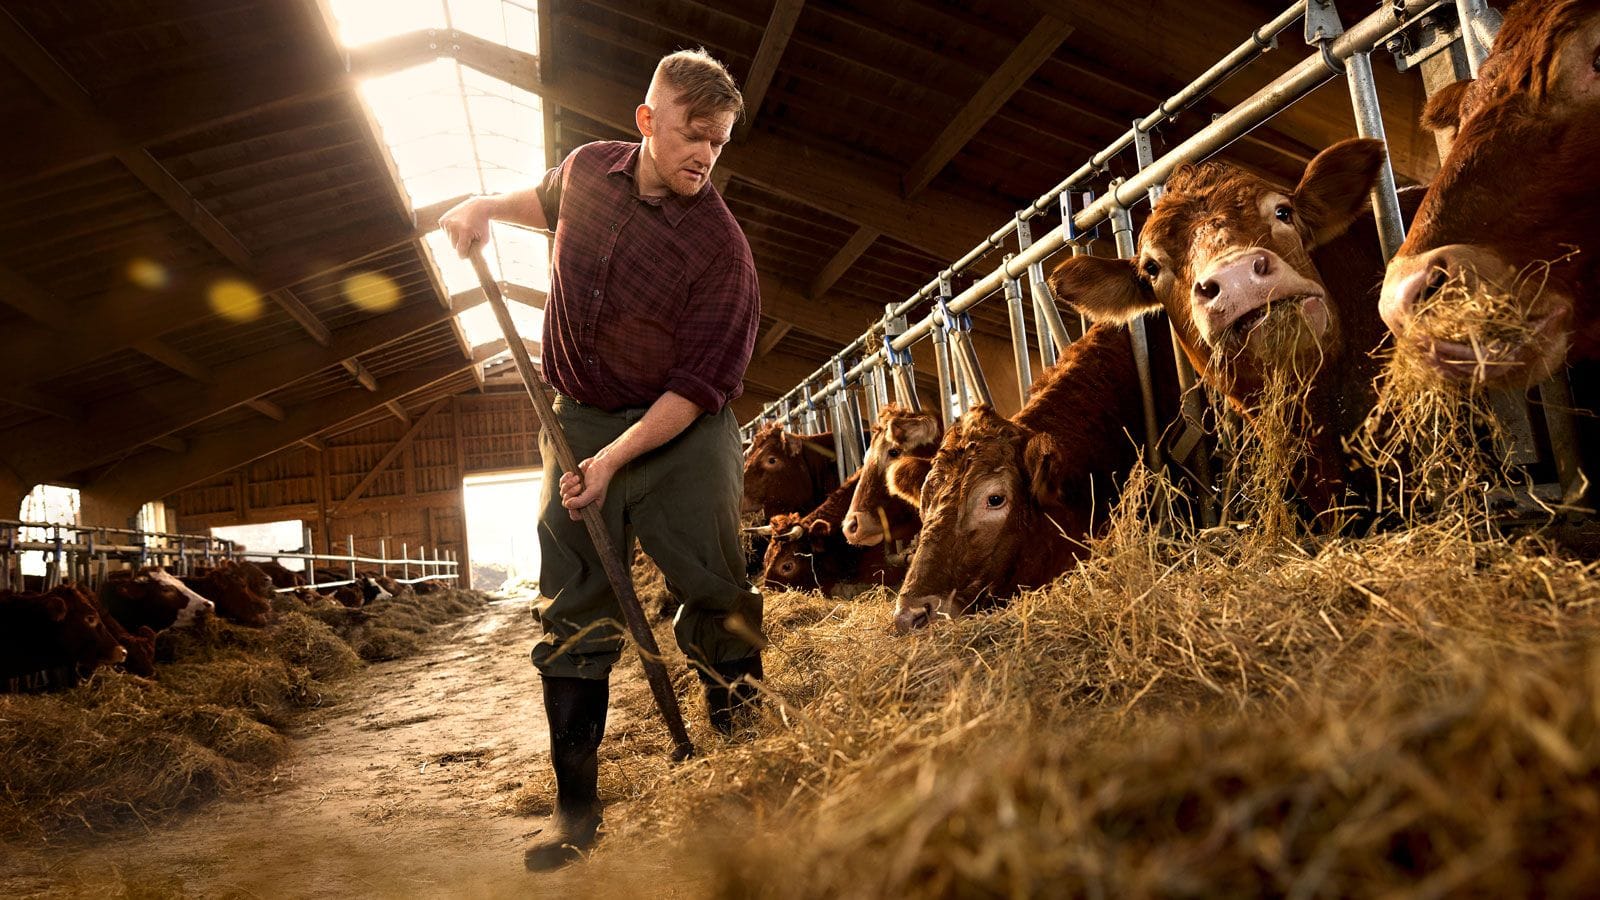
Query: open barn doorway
{"points": [[502, 528]]}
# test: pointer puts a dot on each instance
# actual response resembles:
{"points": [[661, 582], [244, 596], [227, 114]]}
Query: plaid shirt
{"points": [[647, 294]]}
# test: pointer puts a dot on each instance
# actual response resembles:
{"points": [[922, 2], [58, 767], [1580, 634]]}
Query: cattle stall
{"points": [[1439, 41]]}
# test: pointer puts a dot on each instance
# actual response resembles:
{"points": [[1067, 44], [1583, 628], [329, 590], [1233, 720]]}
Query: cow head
{"points": [[1228, 256], [174, 594], [792, 554], [83, 634], [992, 497], [1497, 276], [900, 434], [778, 471]]}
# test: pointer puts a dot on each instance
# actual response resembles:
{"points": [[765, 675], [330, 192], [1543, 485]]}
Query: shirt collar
{"points": [[673, 206]]}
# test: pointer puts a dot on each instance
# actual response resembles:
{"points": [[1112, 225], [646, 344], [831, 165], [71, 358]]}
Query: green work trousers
{"points": [[681, 501]]}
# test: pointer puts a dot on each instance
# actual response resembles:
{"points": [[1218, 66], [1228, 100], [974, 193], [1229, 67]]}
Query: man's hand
{"points": [[578, 491], [467, 223]]}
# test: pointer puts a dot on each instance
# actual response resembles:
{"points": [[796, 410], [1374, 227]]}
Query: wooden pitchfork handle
{"points": [[621, 577]]}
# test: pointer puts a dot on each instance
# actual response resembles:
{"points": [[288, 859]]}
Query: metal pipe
{"points": [[1019, 338], [1479, 24], [351, 547], [1369, 124], [1122, 230]]}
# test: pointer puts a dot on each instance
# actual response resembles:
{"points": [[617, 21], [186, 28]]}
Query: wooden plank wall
{"points": [[416, 499]]}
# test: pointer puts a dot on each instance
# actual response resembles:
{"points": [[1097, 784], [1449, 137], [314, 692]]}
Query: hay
{"points": [[121, 750], [1216, 712]]}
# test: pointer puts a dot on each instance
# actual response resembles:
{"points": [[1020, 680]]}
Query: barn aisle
{"points": [[401, 789]]}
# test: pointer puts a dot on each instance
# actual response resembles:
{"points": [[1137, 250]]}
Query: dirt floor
{"points": [[401, 789]]}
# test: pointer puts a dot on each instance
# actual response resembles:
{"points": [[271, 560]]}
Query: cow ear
{"points": [[1042, 458], [1105, 290], [55, 608], [1443, 110], [820, 528], [915, 430], [1335, 187], [790, 444], [906, 477]]}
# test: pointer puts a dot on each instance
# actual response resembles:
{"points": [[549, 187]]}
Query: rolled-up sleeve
{"points": [[549, 190], [717, 334]]}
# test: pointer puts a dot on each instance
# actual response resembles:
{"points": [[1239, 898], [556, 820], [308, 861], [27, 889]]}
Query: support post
{"points": [[1018, 317], [1122, 229]]}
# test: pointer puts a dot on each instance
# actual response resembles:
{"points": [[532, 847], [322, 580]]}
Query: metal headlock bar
{"points": [[1304, 77]]}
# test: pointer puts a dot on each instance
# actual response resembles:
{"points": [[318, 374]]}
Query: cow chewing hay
{"points": [[1196, 712]]}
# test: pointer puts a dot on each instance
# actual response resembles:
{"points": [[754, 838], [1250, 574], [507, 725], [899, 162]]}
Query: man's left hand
{"points": [[578, 491]]}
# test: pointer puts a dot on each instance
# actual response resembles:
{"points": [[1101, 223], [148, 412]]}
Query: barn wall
{"points": [[415, 499]]}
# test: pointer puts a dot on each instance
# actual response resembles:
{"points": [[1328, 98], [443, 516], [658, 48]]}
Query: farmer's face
{"points": [[679, 150]]}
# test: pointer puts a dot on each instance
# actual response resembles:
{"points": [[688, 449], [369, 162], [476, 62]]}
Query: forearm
{"points": [[517, 207], [664, 420]]}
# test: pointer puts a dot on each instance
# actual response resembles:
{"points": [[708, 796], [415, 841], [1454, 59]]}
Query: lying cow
{"points": [[1517, 190], [809, 552], [903, 444], [1261, 281], [152, 597], [52, 639], [1009, 503]]}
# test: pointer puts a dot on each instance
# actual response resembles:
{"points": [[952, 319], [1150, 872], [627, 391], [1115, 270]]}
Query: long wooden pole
{"points": [[621, 578]]}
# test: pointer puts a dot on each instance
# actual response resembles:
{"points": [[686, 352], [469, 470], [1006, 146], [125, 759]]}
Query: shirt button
{"points": [[604, 258], [613, 226], [595, 292]]}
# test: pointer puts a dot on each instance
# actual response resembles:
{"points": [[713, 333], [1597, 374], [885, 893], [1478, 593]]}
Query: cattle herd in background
{"points": [[53, 638], [1259, 284]]}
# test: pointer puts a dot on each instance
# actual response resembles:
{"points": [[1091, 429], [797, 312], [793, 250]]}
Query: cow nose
{"points": [[1242, 274], [119, 656], [910, 618], [852, 525], [1413, 282]]}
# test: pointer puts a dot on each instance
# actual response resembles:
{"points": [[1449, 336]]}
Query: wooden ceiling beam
{"points": [[774, 334], [26, 298], [182, 363], [394, 451], [40, 402], [171, 444], [1006, 80], [48, 75], [151, 475], [841, 261], [267, 408], [51, 450], [774, 40], [359, 373], [399, 412]]}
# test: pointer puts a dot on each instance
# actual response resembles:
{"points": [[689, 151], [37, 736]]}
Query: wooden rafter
{"points": [[267, 408], [776, 333], [399, 447], [182, 363], [399, 412], [780, 26], [359, 373], [841, 262], [1006, 80]]}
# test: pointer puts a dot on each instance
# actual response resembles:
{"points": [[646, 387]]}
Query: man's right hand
{"points": [[467, 223]]}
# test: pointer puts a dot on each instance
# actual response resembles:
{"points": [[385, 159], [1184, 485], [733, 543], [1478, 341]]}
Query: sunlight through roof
{"points": [[452, 130]]}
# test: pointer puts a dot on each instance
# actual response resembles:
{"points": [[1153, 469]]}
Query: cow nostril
{"points": [[1208, 289], [1438, 277], [1261, 266]]}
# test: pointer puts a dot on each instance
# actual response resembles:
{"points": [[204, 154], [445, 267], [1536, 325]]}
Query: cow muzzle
{"points": [[862, 530], [917, 612], [1235, 292], [1463, 312]]}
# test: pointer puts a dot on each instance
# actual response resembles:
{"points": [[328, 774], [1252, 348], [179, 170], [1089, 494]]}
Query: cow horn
{"points": [[758, 529], [794, 533]]}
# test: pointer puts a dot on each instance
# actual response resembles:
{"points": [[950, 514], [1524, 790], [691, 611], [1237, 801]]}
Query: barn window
{"points": [[46, 503], [288, 535]]}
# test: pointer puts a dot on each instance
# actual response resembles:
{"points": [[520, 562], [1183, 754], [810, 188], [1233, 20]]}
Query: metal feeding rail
{"points": [[88, 553], [880, 358]]}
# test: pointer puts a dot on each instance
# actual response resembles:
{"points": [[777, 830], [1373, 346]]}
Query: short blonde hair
{"points": [[700, 82]]}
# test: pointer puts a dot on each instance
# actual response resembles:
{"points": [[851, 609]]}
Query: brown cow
{"points": [[809, 552], [1008, 504], [52, 639], [877, 507], [787, 473], [241, 591], [1259, 281], [152, 597], [1517, 189]]}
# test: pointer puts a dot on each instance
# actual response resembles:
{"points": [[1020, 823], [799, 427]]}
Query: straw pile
{"points": [[120, 749], [1234, 711]]}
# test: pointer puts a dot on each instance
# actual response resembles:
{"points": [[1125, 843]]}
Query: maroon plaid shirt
{"points": [[647, 294]]}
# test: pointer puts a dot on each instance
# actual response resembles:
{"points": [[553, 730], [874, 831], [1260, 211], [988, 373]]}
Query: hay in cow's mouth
{"points": [[1481, 332]]}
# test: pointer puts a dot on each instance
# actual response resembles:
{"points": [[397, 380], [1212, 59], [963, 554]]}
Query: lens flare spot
{"points": [[371, 290], [149, 274], [235, 299]]}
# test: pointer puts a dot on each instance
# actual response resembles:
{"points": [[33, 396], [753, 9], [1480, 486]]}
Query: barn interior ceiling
{"points": [[216, 212]]}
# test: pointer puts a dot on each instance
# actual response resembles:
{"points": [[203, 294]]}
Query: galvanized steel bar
{"points": [[1369, 124], [1122, 230], [1017, 315]]}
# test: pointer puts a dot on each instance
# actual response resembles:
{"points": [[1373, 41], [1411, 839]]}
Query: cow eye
{"points": [[91, 620], [772, 460], [894, 453], [1283, 214], [787, 568], [995, 501], [1151, 269]]}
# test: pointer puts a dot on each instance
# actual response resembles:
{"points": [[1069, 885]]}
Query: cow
{"points": [[241, 591], [809, 552], [1262, 282], [1498, 281], [282, 576], [153, 598], [787, 473], [905, 440], [1008, 504], [52, 639]]}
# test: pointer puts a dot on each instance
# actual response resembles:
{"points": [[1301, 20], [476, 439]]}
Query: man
{"points": [[651, 320]]}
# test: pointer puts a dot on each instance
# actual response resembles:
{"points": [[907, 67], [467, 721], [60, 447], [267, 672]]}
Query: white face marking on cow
{"points": [[191, 610]]}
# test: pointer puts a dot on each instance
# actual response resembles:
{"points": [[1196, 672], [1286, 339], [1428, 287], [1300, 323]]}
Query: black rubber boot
{"points": [[737, 701], [576, 710]]}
